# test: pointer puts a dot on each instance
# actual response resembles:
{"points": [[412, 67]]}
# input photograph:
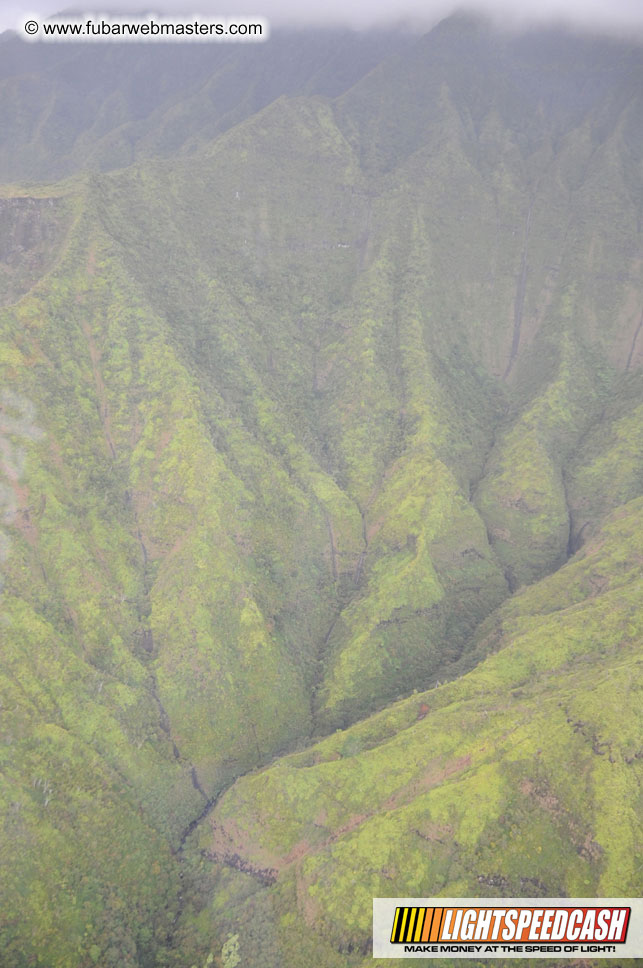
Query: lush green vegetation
{"points": [[320, 492], [520, 778]]}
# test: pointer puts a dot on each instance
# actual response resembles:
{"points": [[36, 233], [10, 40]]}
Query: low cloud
{"points": [[614, 16]]}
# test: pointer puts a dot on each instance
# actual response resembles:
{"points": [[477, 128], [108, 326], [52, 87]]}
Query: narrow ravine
{"points": [[519, 301], [637, 333], [265, 876]]}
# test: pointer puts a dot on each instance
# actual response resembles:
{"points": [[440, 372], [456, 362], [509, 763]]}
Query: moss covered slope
{"points": [[285, 419], [520, 778]]}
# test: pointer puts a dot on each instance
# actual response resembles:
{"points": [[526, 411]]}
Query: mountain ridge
{"points": [[293, 425]]}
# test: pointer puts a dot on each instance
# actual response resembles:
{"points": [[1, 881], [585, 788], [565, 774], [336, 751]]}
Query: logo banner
{"points": [[508, 927]]}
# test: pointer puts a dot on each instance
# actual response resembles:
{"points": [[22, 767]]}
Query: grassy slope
{"points": [[463, 790], [262, 475]]}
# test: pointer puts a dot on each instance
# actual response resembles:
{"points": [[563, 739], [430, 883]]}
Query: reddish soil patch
{"points": [[431, 778]]}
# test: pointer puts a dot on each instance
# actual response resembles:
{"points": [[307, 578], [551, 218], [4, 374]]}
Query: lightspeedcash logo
{"points": [[501, 927]]}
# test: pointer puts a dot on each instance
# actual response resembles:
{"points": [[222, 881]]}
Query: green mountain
{"points": [[78, 107], [321, 488]]}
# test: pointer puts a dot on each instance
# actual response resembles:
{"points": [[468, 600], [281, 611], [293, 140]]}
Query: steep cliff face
{"points": [[31, 231], [339, 404]]}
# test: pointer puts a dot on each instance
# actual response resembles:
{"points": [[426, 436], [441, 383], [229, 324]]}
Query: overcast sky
{"points": [[613, 15]]}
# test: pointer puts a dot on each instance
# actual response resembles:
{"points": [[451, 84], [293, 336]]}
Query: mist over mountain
{"points": [[620, 17], [321, 487]]}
